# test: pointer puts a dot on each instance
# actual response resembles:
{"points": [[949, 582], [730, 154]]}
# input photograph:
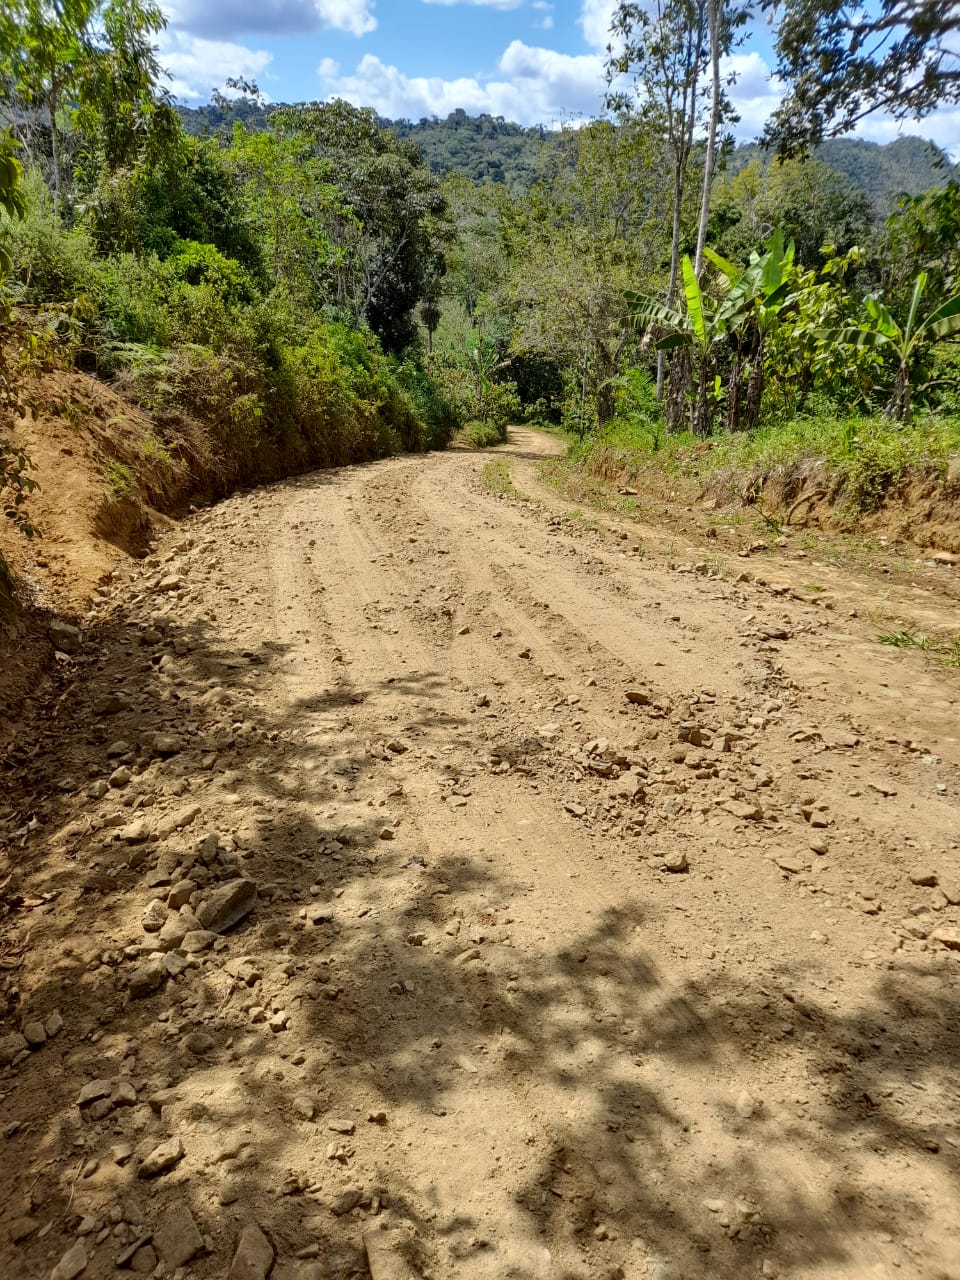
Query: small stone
{"points": [[345, 1201], [25, 1226], [147, 977], [93, 1091], [176, 928], [161, 1158], [745, 1105], [305, 1107], [948, 936], [676, 862], [167, 744], [746, 811], [154, 916], [180, 894], [65, 637], [11, 1046], [254, 1255], [73, 1262], [109, 704], [637, 697], [123, 1094], [387, 833], [278, 1021], [227, 905], [54, 1024], [341, 1126], [120, 777], [950, 890], [175, 963], [924, 876], [574, 809], [144, 1260], [198, 1043], [792, 865], [35, 1034], [819, 845], [229, 1192], [197, 940], [177, 1237]]}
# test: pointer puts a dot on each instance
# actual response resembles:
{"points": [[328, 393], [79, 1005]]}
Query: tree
{"points": [[814, 206], [85, 61], [908, 341], [666, 52], [591, 229], [396, 222], [840, 63], [725, 335]]}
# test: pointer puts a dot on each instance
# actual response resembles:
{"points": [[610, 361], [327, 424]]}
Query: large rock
{"points": [[73, 1262], [65, 637], [147, 977], [254, 1256], [177, 1237], [227, 905], [10, 1047]]}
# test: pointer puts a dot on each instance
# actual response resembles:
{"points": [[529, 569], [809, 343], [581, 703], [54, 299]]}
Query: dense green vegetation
{"points": [[303, 285], [257, 292], [486, 148]]}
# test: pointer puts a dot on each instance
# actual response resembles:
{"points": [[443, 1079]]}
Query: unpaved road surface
{"points": [[606, 914]]}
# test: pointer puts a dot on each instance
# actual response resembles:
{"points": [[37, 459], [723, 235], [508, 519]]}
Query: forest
{"points": [[285, 286]]}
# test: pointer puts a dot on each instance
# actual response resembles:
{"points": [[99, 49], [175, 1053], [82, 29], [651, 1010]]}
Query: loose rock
{"points": [[177, 1238], [227, 905], [161, 1158], [254, 1255]]}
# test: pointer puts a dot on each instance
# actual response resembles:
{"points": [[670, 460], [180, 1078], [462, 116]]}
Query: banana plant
{"points": [[748, 304], [908, 342]]}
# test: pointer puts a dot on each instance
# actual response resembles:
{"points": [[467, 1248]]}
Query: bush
{"points": [[483, 435], [49, 263]]}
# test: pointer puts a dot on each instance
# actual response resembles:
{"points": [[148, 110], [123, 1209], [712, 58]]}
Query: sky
{"points": [[531, 61]]}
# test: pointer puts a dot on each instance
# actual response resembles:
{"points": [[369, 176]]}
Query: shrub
{"points": [[49, 263]]}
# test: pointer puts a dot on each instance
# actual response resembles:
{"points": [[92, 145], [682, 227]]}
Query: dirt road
{"points": [[606, 916]]}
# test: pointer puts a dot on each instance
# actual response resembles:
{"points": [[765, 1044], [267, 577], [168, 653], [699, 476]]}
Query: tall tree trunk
{"points": [[674, 260], [710, 160], [52, 102]]}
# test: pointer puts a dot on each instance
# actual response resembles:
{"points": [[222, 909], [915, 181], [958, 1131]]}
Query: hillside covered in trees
{"points": [[485, 147]]}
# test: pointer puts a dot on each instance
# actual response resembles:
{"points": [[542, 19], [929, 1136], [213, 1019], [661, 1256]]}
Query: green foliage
{"points": [[47, 262], [15, 487], [908, 340], [897, 56], [393, 241], [483, 435]]}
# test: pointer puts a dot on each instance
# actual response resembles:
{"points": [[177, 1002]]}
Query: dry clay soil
{"points": [[606, 919]]}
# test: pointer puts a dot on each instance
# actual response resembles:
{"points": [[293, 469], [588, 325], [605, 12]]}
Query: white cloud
{"points": [[755, 94], [535, 86], [488, 4], [196, 66], [276, 17], [595, 18]]}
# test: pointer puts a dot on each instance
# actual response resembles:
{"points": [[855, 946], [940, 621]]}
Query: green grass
{"points": [[867, 455], [944, 649], [498, 476]]}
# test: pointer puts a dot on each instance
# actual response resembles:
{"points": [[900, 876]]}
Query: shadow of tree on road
{"points": [[628, 1073]]}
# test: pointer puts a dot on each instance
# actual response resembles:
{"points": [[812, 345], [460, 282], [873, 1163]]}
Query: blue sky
{"points": [[533, 61]]}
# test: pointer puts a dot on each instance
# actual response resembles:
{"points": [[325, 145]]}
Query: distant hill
{"points": [[488, 147], [481, 147], [884, 171]]}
